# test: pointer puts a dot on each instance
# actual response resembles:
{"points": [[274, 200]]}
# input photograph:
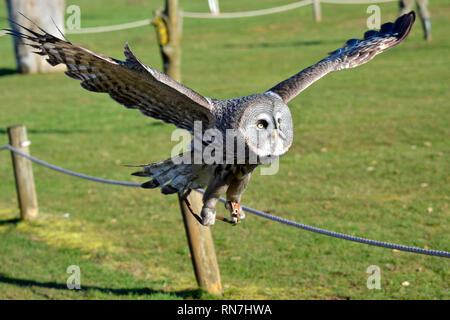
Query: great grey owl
{"points": [[262, 123]]}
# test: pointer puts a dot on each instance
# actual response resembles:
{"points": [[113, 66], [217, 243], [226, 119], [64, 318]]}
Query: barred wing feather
{"points": [[354, 53], [130, 82]]}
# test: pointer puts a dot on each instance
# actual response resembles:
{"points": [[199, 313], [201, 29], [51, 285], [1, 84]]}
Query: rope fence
{"points": [[261, 12], [246, 14], [338, 235], [224, 15], [356, 1], [116, 27]]}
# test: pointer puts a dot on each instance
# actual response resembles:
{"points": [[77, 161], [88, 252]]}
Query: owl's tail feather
{"points": [[171, 177]]}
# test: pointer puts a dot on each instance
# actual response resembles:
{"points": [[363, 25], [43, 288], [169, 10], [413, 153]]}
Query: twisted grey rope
{"points": [[349, 237], [72, 173], [429, 252]]}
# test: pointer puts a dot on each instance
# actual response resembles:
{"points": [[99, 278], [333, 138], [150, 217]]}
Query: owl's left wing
{"points": [[355, 52], [130, 82]]}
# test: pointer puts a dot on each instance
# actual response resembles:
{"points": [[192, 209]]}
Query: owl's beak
{"points": [[275, 135]]}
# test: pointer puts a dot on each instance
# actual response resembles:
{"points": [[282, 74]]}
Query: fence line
{"points": [[383, 244], [224, 15], [246, 14], [69, 172], [254, 13], [116, 27], [356, 1]]}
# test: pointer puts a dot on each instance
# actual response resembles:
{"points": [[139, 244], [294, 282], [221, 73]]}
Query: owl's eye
{"points": [[262, 124]]}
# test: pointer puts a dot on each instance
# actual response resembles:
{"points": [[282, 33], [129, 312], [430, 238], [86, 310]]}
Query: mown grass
{"points": [[370, 158]]}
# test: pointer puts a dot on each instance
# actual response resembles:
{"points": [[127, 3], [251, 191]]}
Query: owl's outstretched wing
{"points": [[129, 82], [355, 52]]}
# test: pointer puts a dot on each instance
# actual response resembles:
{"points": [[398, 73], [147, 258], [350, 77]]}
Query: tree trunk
{"points": [[40, 12]]}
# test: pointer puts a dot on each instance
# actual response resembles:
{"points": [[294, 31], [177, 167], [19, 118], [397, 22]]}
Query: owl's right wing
{"points": [[129, 82], [354, 53]]}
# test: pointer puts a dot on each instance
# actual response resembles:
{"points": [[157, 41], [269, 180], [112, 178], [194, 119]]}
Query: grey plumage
{"points": [[262, 122]]}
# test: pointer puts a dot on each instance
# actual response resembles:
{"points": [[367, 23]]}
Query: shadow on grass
{"points": [[9, 221], [279, 44], [7, 71], [185, 294]]}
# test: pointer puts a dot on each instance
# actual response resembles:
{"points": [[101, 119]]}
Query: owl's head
{"points": [[266, 126]]}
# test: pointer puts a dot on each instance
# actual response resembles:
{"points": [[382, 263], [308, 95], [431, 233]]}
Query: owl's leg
{"points": [[196, 216], [215, 189], [234, 194]]}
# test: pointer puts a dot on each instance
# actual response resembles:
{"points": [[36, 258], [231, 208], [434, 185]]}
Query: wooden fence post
{"points": [[317, 11], [26, 192], [201, 245]]}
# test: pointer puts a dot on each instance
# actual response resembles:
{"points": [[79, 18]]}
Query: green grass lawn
{"points": [[370, 158]]}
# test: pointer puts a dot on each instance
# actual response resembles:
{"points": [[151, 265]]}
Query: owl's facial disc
{"points": [[267, 129]]}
